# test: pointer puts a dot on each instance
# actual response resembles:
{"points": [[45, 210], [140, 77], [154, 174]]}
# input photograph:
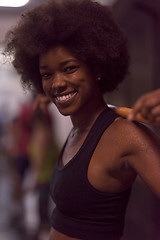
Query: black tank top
{"points": [[81, 210]]}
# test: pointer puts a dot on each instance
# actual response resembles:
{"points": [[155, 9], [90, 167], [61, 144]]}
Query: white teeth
{"points": [[64, 97]]}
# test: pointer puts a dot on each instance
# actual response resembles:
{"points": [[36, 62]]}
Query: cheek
{"points": [[89, 86]]}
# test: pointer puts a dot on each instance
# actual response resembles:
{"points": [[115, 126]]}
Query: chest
{"points": [[72, 147], [101, 163], [85, 179]]}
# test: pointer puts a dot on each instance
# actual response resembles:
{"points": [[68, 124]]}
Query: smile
{"points": [[65, 97]]}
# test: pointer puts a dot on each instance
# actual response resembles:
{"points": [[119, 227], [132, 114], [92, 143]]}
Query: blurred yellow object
{"points": [[125, 111]]}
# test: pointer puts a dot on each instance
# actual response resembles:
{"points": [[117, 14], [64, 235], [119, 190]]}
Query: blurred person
{"points": [[23, 133], [74, 52], [12, 151], [1, 137], [19, 133], [43, 153]]}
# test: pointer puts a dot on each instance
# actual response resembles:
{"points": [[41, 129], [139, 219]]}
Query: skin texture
{"points": [[131, 148]]}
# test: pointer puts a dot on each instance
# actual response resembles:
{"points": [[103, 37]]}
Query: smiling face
{"points": [[67, 81]]}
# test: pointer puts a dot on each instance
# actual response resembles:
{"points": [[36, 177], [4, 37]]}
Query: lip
{"points": [[65, 98]]}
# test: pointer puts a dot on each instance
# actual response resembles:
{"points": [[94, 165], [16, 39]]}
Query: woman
{"points": [[74, 52]]}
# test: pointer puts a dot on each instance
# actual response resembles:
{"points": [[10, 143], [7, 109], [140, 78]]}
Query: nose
{"points": [[58, 82]]}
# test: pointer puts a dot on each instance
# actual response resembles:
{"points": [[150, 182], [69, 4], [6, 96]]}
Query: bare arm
{"points": [[144, 155]]}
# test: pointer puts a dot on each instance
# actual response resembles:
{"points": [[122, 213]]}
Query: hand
{"points": [[42, 102], [148, 105]]}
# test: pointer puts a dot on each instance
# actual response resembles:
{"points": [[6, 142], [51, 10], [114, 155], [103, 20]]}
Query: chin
{"points": [[67, 111], [64, 112]]}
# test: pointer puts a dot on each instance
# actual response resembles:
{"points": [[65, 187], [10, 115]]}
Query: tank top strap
{"points": [[103, 121]]}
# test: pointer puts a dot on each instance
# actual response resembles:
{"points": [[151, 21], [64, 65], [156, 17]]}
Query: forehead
{"points": [[57, 53]]}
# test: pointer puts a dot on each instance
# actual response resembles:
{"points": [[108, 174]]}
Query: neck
{"points": [[84, 119]]}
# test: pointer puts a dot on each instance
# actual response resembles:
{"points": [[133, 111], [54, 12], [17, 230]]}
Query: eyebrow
{"points": [[62, 63]]}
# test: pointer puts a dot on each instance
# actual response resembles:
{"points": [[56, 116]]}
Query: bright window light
{"points": [[107, 2], [13, 3]]}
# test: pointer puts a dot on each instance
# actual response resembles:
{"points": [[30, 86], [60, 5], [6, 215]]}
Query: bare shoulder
{"points": [[133, 134], [140, 147]]}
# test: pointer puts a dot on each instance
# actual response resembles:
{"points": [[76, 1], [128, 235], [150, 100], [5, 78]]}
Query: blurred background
{"points": [[21, 203]]}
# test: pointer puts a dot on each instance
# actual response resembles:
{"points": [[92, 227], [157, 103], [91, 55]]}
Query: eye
{"points": [[71, 69], [45, 75]]}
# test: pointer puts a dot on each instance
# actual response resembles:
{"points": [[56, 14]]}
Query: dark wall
{"points": [[141, 20]]}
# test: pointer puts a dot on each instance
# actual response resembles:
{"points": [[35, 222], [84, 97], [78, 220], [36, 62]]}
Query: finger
{"points": [[145, 104], [40, 99], [125, 112], [157, 121], [45, 99], [156, 111], [151, 108], [136, 108], [44, 107], [36, 103]]}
